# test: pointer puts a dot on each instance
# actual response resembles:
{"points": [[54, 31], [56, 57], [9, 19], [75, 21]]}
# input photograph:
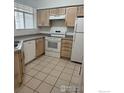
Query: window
{"points": [[19, 20], [24, 20], [28, 21]]}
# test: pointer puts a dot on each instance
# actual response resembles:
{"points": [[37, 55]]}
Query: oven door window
{"points": [[52, 45]]}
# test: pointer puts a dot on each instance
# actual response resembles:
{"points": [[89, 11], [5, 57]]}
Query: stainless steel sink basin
{"points": [[18, 44]]}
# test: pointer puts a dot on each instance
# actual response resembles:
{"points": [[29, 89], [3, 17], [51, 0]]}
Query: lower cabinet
{"points": [[66, 47], [18, 68], [40, 46], [29, 50]]}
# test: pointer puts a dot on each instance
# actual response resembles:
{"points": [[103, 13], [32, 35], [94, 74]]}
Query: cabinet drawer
{"points": [[66, 49], [67, 45], [69, 42], [65, 54]]}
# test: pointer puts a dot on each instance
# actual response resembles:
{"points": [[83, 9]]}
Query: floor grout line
{"points": [[48, 74], [56, 81], [45, 78]]}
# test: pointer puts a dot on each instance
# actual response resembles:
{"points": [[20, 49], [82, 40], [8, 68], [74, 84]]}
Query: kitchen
{"points": [[48, 41]]}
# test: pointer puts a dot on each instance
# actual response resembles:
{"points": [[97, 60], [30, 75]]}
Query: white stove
{"points": [[53, 43], [58, 31]]}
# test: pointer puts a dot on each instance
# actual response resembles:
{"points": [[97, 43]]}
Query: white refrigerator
{"points": [[78, 39]]}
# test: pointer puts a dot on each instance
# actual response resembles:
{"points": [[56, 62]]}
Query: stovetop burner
{"points": [[58, 31]]}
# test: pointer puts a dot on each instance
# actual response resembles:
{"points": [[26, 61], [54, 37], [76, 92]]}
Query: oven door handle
{"points": [[53, 41]]}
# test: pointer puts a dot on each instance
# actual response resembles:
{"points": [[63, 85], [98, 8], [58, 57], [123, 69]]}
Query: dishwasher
{"points": [[29, 51]]}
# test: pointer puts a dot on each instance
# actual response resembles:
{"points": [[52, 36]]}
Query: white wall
{"points": [[25, 32], [32, 3], [57, 3]]}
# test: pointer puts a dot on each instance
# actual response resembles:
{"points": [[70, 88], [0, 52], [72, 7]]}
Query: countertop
{"points": [[69, 33], [33, 37], [26, 38]]}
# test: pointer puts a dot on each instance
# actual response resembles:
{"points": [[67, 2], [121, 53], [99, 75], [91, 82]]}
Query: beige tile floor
{"points": [[50, 75]]}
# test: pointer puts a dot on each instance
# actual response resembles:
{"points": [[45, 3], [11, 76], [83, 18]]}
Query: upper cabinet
{"points": [[80, 11], [62, 11], [43, 18], [71, 14], [53, 12], [57, 11]]}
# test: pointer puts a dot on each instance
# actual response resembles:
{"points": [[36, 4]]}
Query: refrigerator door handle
{"points": [[74, 36], [75, 29]]}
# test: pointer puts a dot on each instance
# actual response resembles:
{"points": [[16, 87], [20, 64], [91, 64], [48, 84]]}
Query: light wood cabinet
{"points": [[57, 11], [66, 48], [40, 46], [53, 12], [80, 11], [62, 11], [43, 18], [71, 14], [18, 68]]}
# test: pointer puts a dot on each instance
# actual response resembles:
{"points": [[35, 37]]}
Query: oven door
{"points": [[52, 45]]}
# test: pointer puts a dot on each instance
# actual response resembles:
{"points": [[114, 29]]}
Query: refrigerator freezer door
{"points": [[77, 49], [79, 27]]}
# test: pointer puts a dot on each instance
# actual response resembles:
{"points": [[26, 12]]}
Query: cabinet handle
{"points": [[80, 71]]}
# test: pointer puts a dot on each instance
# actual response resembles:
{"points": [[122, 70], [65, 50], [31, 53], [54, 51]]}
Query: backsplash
{"points": [[56, 23]]}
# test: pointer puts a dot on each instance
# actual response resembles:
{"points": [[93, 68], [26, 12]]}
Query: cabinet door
{"points": [[71, 14], [54, 12], [57, 11], [61, 11], [43, 17], [38, 17], [80, 11], [18, 68], [39, 47], [17, 72]]}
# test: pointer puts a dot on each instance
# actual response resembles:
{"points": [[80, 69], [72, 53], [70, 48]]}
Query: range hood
{"points": [[56, 17]]}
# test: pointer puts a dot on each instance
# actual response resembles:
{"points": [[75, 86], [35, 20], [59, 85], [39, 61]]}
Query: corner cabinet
{"points": [[43, 18], [40, 46], [18, 68], [71, 14]]}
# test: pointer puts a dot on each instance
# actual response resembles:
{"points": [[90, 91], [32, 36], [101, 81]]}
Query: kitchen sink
{"points": [[18, 44]]}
